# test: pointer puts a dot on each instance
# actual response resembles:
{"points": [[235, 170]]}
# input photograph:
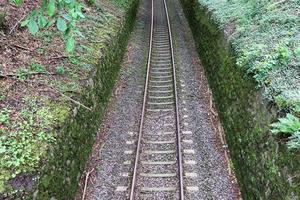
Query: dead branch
{"points": [[15, 26], [69, 98], [46, 85], [58, 57], [30, 73], [21, 47], [85, 183], [15, 45]]}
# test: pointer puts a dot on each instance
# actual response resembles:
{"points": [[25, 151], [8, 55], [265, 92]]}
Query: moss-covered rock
{"points": [[263, 166]]}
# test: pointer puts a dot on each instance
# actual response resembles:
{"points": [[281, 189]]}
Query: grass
{"points": [[266, 41]]}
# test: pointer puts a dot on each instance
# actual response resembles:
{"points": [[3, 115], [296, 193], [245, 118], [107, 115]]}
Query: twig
{"points": [[20, 47], [15, 26], [67, 97], [15, 45], [279, 2], [30, 73], [58, 57], [62, 94], [86, 182], [211, 103]]}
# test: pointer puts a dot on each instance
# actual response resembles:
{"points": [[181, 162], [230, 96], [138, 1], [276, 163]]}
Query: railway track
{"points": [[158, 166]]}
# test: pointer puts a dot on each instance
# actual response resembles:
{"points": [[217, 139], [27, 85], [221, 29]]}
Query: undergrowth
{"points": [[265, 37], [25, 139], [28, 131]]}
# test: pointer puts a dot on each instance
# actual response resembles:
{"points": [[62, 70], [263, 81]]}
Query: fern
{"points": [[294, 142], [289, 125]]}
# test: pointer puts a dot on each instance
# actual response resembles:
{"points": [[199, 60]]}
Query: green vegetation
{"points": [[265, 37], [290, 126], [2, 20], [49, 133], [22, 144], [263, 165], [64, 13]]}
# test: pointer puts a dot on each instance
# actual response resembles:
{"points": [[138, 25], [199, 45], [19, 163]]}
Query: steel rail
{"points": [[180, 167], [133, 182], [178, 133]]}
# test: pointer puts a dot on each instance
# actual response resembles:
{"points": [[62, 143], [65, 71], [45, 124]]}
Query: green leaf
{"points": [[67, 1], [51, 8], [70, 44], [60, 69], [61, 24], [18, 2], [50, 23], [297, 52], [24, 23], [80, 14], [73, 13], [67, 17], [33, 27], [79, 33], [287, 125], [42, 21]]}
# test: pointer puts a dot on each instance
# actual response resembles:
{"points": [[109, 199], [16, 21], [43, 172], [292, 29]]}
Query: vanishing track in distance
{"points": [[158, 167]]}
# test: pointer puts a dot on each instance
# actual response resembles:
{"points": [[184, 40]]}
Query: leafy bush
{"points": [[64, 13]]}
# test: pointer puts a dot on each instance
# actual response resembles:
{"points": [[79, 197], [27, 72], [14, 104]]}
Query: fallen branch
{"points": [[21, 47], [58, 57], [15, 26], [15, 45], [85, 183], [211, 103], [57, 91], [29, 73], [74, 101]]}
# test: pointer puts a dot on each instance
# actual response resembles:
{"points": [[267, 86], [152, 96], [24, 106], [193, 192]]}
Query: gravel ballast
{"points": [[111, 162]]}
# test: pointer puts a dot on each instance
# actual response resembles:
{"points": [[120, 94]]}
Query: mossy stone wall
{"points": [[61, 174], [263, 166]]}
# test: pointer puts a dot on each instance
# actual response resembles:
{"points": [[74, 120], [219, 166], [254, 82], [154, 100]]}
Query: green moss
{"points": [[77, 136], [2, 20], [263, 166], [264, 36], [60, 111], [26, 141], [51, 141]]}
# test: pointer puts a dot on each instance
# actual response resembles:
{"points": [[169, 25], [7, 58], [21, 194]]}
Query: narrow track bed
{"points": [[158, 169], [161, 142]]}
